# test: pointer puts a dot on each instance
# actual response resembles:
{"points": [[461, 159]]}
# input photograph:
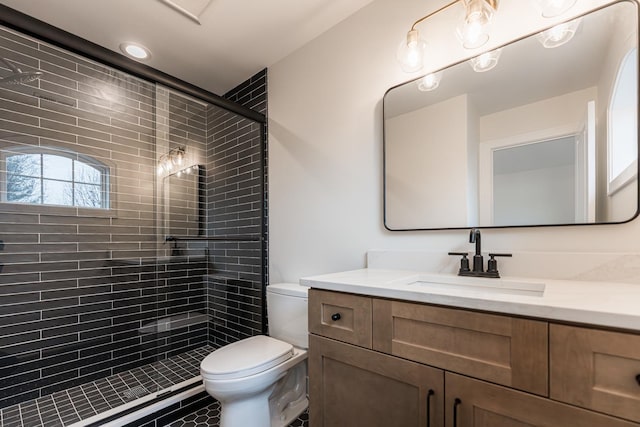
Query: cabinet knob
{"points": [[638, 379], [335, 317]]}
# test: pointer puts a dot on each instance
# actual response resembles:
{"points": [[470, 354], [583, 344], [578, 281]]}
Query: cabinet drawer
{"points": [[595, 369], [501, 349], [344, 317]]}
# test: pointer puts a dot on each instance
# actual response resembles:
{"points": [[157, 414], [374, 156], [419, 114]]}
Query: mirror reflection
{"points": [[184, 198], [540, 132]]}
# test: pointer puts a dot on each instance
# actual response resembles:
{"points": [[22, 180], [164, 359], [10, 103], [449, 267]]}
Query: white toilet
{"points": [[262, 381]]}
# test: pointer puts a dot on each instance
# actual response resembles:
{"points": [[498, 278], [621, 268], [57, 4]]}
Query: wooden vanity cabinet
{"points": [[354, 387], [465, 368]]}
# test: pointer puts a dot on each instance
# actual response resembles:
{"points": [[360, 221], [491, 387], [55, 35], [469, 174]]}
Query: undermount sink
{"points": [[477, 284]]}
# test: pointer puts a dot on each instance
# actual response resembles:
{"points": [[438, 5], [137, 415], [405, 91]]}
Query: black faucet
{"points": [[478, 260]]}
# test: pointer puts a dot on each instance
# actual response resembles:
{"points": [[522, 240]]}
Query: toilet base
{"points": [[252, 412]]}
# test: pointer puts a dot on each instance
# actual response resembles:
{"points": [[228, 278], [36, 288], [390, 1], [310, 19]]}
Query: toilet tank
{"points": [[287, 313]]}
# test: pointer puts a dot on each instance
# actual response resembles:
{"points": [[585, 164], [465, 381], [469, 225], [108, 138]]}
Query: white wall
{"points": [[325, 147], [538, 196], [549, 118], [418, 172]]}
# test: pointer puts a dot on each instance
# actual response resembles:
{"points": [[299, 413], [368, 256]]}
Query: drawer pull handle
{"points": [[456, 403], [335, 317], [638, 379], [429, 394]]}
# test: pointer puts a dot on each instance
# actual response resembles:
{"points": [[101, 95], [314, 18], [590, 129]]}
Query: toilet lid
{"points": [[246, 357]]}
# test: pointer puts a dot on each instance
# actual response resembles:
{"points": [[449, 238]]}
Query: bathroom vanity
{"points": [[398, 348]]}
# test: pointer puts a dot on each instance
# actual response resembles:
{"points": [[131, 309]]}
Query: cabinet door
{"points": [[354, 387], [497, 348], [341, 316], [474, 403], [595, 369]]}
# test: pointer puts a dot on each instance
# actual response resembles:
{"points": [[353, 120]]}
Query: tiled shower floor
{"points": [[209, 416], [81, 403]]}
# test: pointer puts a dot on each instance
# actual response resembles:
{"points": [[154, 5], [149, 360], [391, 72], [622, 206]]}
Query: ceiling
{"points": [[216, 45]]}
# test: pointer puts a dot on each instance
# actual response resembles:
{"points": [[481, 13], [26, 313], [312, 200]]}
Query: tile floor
{"points": [[209, 416], [86, 401]]}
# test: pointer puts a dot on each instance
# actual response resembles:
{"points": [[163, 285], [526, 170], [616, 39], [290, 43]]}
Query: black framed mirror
{"points": [[548, 136]]}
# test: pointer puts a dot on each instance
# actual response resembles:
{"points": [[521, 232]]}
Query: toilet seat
{"points": [[246, 357]]}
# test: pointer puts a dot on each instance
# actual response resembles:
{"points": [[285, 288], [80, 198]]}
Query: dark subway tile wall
{"points": [[237, 270], [77, 283]]}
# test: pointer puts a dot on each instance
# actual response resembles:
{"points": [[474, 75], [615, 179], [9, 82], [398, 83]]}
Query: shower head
{"points": [[18, 76]]}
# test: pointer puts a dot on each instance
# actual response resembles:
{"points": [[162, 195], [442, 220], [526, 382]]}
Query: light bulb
{"points": [[430, 82], [474, 35], [559, 35], [552, 8], [179, 174], [486, 61], [411, 52], [473, 30], [160, 169]]}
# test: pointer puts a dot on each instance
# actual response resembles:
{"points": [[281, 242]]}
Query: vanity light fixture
{"points": [[553, 8], [472, 30], [559, 35], [430, 82], [174, 158], [135, 51], [486, 61]]}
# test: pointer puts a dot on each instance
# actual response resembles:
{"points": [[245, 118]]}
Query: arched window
{"points": [[48, 177]]}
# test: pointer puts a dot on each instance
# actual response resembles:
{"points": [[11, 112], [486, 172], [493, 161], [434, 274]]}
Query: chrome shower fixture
{"points": [[18, 76]]}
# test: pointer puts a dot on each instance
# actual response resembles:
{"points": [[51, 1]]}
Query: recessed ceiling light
{"points": [[135, 51]]}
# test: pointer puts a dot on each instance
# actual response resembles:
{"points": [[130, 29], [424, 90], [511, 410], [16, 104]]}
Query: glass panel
{"points": [[57, 167], [57, 193], [86, 173], [23, 189], [23, 164], [88, 195]]}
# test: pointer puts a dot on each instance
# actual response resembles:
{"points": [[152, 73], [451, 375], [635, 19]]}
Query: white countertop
{"points": [[594, 303]]}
